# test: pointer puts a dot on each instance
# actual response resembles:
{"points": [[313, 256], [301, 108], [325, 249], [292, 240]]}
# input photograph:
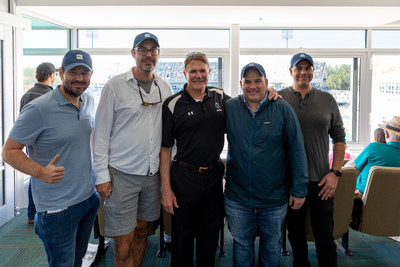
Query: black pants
{"points": [[321, 215], [200, 215]]}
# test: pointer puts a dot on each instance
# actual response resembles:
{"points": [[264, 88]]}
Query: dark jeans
{"points": [[321, 215], [200, 215], [31, 204], [65, 234]]}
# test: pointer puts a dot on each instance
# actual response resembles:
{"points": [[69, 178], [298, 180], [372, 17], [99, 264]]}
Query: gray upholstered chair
{"points": [[381, 211]]}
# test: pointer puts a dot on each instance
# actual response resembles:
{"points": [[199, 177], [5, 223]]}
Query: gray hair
{"points": [[393, 136]]}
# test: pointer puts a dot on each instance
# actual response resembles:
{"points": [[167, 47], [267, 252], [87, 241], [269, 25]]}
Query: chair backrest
{"points": [[381, 211], [343, 204]]}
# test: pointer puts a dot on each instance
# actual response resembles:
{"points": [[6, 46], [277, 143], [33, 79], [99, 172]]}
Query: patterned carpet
{"points": [[19, 246]]}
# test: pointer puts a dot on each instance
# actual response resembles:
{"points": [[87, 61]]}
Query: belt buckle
{"points": [[201, 169]]}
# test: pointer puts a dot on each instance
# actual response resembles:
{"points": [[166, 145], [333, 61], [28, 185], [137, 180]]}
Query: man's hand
{"points": [[329, 183], [169, 201], [104, 189], [273, 94], [357, 194], [296, 203], [52, 174]]}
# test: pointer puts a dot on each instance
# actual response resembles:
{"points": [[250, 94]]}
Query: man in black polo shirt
{"points": [[192, 185]]}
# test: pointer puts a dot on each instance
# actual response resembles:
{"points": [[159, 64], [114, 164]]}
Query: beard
{"points": [[75, 93], [146, 68]]}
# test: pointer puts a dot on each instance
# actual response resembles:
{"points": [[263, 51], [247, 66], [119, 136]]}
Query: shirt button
{"points": [[151, 174]]}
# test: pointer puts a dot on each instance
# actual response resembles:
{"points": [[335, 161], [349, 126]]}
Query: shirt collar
{"points": [[129, 76], [394, 143], [62, 100], [259, 104]]}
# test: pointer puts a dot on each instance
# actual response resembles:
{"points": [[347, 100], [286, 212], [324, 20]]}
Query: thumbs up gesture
{"points": [[51, 173]]}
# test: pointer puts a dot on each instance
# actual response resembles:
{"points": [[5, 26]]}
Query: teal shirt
{"points": [[376, 154]]}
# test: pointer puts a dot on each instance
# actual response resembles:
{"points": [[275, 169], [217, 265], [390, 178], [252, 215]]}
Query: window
{"points": [[385, 39], [338, 76], [184, 38], [384, 103], [45, 35], [302, 38], [170, 69]]}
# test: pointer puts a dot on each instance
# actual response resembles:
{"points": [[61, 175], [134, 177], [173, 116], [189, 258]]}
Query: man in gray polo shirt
{"points": [[56, 129], [319, 118]]}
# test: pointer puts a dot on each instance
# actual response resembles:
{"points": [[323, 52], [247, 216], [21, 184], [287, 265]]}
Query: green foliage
{"points": [[338, 77], [29, 78]]}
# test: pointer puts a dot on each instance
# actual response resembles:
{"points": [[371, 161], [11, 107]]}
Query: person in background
{"points": [[127, 141], [379, 135], [265, 139], [320, 120], [45, 75], [375, 154], [57, 128]]}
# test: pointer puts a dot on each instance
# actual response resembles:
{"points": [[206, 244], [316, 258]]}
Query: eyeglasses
{"points": [[195, 53], [143, 51], [147, 103]]}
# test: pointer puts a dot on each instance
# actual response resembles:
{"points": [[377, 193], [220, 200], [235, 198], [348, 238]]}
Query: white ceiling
{"points": [[279, 14]]}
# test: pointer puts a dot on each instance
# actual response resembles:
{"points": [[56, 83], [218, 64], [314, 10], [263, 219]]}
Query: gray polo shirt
{"points": [[50, 125], [319, 118]]}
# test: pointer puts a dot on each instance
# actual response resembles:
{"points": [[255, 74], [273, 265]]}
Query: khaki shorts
{"points": [[133, 197]]}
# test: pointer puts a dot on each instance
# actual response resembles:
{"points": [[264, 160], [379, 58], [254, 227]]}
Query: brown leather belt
{"points": [[194, 168]]}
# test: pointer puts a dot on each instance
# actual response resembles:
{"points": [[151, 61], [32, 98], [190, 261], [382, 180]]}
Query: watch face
{"points": [[337, 172]]}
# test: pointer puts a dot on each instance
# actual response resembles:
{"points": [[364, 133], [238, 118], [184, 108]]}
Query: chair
{"points": [[381, 214], [343, 207]]}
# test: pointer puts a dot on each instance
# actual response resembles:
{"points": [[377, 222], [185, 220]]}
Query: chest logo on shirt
{"points": [[190, 113], [218, 107]]}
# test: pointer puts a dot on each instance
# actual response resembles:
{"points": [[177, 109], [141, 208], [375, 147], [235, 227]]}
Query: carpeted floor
{"points": [[19, 246]]}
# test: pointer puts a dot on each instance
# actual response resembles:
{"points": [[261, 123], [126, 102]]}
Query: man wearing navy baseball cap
{"points": [[56, 129], [320, 120], [257, 191], [127, 141]]}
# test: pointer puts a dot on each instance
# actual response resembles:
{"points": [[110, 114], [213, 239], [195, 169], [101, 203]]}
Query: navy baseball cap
{"points": [[45, 69], [75, 58], [145, 36], [253, 65], [301, 56]]}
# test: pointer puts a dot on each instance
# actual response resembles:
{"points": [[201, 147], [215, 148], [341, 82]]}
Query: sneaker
{"points": [[30, 221]]}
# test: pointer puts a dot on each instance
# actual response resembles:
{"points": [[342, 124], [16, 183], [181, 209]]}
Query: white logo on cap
{"points": [[302, 55], [147, 35], [79, 56], [251, 65]]}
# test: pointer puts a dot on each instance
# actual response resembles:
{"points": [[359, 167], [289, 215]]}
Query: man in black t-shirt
{"points": [[192, 185]]}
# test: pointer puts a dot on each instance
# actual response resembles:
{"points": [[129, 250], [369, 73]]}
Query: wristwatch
{"points": [[336, 172]]}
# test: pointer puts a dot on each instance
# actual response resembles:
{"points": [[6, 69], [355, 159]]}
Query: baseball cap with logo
{"points": [[44, 69], [299, 57], [253, 65], [75, 58], [145, 36]]}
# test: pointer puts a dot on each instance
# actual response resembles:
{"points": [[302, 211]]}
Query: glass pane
{"points": [[385, 39], [29, 67], [334, 75], [170, 69], [45, 38], [302, 38], [385, 97], [190, 38]]}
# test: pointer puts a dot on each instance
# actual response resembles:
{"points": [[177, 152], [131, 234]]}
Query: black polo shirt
{"points": [[197, 126]]}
